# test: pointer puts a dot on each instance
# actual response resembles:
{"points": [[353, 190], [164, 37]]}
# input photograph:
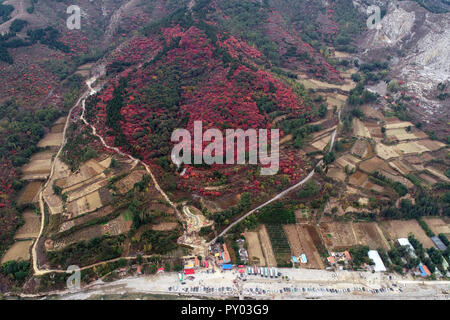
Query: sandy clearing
{"points": [[336, 174], [399, 124], [254, 248], [394, 229], [267, 247], [29, 193], [31, 227], [20, 250], [438, 225], [359, 129]]}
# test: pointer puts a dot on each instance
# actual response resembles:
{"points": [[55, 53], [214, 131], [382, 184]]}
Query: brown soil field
{"points": [[254, 248], [401, 166], [51, 140], [336, 174], [419, 159], [125, 184], [358, 178], [400, 134], [372, 186], [31, 227], [347, 159], [372, 165], [57, 128], [437, 173], [386, 152], [338, 235], [315, 237], [398, 124], [372, 113], [428, 179], [165, 226], [267, 247], [412, 147], [394, 229], [438, 225], [360, 148], [369, 234], [431, 145], [84, 234], [374, 129], [28, 194], [38, 167], [20, 250], [117, 226], [359, 129], [301, 242], [321, 143]]}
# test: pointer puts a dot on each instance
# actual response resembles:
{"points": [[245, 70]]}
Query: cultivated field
{"points": [[28, 194], [254, 248], [336, 174], [267, 247], [359, 129], [20, 250], [31, 227], [338, 235], [438, 225], [301, 242], [394, 229]]}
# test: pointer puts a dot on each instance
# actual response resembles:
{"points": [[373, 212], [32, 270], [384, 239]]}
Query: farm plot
{"points": [[51, 140], [338, 235], [254, 248], [360, 148], [358, 178], [321, 143], [336, 174], [28, 195], [369, 234], [431, 145], [400, 134], [438, 225], [398, 125], [301, 242], [20, 250], [372, 165], [437, 173], [31, 227], [266, 246], [38, 167], [119, 225], [394, 229], [386, 152], [372, 113], [347, 160], [85, 204], [401, 167], [125, 184], [372, 186], [164, 226], [359, 129], [275, 235], [411, 147], [374, 129]]}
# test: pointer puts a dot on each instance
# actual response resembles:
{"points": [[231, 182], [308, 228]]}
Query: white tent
{"points": [[379, 265]]}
